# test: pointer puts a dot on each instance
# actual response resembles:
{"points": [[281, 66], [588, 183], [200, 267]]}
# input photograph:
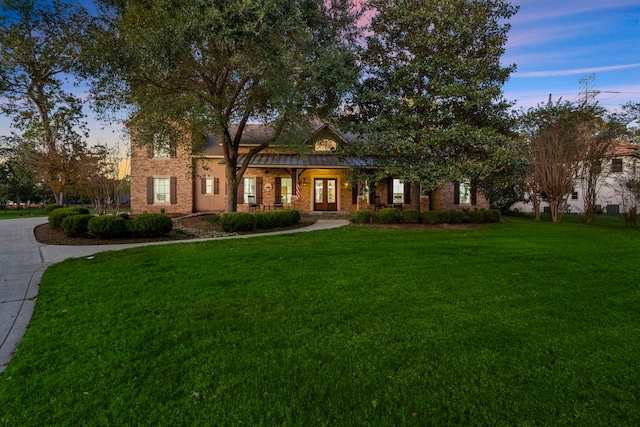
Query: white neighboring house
{"points": [[620, 165]]}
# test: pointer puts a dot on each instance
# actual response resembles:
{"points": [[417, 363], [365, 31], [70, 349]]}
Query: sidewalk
{"points": [[23, 261]]}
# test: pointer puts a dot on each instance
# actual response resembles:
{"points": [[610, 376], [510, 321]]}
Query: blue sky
{"points": [[554, 44]]}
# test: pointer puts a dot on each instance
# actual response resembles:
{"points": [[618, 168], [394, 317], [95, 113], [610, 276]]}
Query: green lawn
{"points": [[517, 323], [18, 213]]}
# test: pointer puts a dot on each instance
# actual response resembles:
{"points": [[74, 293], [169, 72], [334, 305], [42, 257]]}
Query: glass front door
{"points": [[325, 194]]}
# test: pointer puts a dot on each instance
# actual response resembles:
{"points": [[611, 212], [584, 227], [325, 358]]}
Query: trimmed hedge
{"points": [[362, 217], [52, 207], [389, 215], [430, 217], [107, 227], [76, 225], [456, 217], [151, 225], [411, 216], [238, 221], [57, 215]]}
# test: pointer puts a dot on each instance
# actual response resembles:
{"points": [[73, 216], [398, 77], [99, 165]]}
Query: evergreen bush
{"points": [[151, 225], [76, 225], [52, 207], [430, 217], [107, 227], [389, 215], [456, 217], [411, 216], [237, 221], [362, 217], [57, 215], [444, 217]]}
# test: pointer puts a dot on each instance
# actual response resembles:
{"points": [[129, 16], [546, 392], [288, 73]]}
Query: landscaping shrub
{"points": [[268, 219], [292, 217], [275, 219], [76, 225], [389, 215], [444, 217], [237, 221], [52, 207], [151, 225], [362, 217], [492, 215], [411, 216], [456, 217], [124, 216], [107, 227], [476, 216], [57, 215], [430, 217]]}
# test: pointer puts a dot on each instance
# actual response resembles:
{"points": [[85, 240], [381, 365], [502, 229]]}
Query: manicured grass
{"points": [[18, 213], [517, 323]]}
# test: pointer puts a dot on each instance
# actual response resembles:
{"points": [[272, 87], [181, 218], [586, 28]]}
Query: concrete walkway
{"points": [[23, 261]]}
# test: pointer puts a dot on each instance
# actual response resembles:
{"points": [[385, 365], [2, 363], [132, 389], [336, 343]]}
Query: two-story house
{"points": [[175, 180]]}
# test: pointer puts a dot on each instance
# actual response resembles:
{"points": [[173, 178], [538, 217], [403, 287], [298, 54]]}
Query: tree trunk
{"points": [[435, 200], [415, 196], [232, 188]]}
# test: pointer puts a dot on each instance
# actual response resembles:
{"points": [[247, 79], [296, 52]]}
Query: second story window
{"points": [[616, 165]]}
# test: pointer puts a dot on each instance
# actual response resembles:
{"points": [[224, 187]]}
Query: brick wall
{"points": [[143, 166]]}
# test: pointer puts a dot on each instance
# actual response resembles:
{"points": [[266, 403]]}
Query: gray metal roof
{"points": [[326, 161]]}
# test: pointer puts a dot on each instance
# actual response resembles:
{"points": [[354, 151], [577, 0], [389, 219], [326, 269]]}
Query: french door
{"points": [[325, 194]]}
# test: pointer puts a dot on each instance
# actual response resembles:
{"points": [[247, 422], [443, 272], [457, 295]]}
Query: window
{"points": [[162, 146], [465, 193], [286, 189], [161, 190], [249, 188], [616, 165], [325, 145], [208, 185], [574, 195], [398, 191]]}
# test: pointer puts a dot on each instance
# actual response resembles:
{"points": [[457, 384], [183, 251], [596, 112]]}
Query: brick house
{"points": [[174, 180]]}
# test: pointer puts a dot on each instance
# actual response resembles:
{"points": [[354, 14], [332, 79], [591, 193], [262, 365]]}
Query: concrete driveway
{"points": [[23, 261]]}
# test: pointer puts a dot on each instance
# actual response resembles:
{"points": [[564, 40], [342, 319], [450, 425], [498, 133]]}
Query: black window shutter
{"points": [[390, 191], [149, 190], [173, 151], [173, 188], [259, 190], [354, 194], [150, 151], [407, 192], [241, 192], [456, 193], [372, 195], [474, 193], [203, 185], [216, 185], [278, 193]]}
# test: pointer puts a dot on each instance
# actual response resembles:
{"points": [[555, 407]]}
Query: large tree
{"points": [[39, 51], [193, 67], [430, 108], [566, 144]]}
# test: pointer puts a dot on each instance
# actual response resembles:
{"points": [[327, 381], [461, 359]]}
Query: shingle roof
{"points": [[624, 149]]}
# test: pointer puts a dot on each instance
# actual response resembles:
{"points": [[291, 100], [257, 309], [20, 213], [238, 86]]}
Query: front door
{"points": [[325, 194]]}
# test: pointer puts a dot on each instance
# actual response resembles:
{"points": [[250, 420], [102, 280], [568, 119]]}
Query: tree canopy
{"points": [[430, 106], [39, 52], [208, 66]]}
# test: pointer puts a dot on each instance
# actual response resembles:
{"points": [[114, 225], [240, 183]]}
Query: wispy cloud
{"points": [[556, 73], [536, 10]]}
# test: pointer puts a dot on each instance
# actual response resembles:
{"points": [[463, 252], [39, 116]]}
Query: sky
{"points": [[562, 48]]}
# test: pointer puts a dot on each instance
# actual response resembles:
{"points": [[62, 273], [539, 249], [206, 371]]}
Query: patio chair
{"points": [[253, 206], [277, 204], [377, 204]]}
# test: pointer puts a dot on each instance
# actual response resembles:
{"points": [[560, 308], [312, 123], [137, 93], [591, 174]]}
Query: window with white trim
{"points": [[249, 188], [285, 189], [465, 193], [398, 191], [162, 147], [161, 191], [209, 185]]}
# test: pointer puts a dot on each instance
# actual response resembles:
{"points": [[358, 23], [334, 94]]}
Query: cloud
{"points": [[575, 71], [536, 10]]}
